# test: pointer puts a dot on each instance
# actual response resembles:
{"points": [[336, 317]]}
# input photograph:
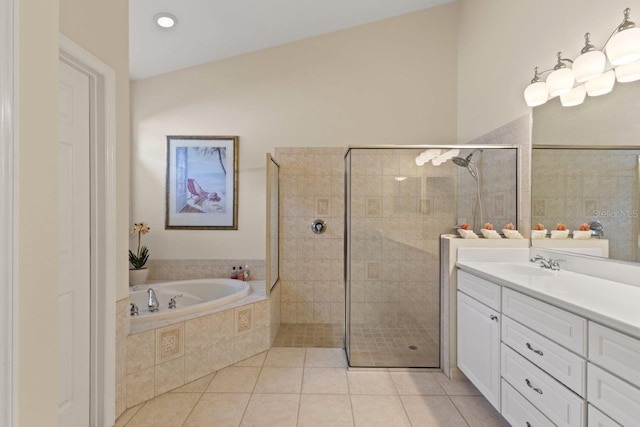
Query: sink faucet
{"points": [[544, 263], [153, 303], [555, 264]]}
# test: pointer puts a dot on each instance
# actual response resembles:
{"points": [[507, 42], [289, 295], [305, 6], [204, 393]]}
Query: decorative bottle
{"points": [[246, 272], [234, 273]]}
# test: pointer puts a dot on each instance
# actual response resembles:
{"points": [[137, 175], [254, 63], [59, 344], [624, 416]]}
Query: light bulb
{"points": [[628, 72], [601, 85], [589, 65], [165, 20], [575, 97], [560, 81], [536, 94], [624, 47]]}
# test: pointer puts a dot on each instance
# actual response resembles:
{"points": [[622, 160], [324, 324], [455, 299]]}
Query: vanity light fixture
{"points": [[622, 49], [165, 20]]}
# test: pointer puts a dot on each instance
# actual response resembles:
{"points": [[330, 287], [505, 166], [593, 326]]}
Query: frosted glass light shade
{"points": [[628, 72], [575, 97], [589, 65], [624, 47], [601, 85], [560, 81], [536, 94]]}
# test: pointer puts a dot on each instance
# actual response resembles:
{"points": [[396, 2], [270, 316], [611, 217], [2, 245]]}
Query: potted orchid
{"points": [[138, 273]]}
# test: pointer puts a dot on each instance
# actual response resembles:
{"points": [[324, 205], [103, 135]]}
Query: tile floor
{"points": [[310, 335], [312, 387]]}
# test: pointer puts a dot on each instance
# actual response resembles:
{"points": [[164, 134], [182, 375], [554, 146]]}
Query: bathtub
{"points": [[197, 296]]}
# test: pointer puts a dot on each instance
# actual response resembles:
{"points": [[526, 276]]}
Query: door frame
{"points": [[8, 215], [103, 213]]}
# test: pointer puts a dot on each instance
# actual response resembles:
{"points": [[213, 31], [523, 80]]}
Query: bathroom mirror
{"points": [[273, 201], [586, 168]]}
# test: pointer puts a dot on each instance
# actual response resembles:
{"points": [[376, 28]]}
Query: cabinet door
{"points": [[479, 346]]}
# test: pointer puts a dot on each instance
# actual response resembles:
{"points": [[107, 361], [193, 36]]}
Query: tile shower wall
{"points": [[497, 172], [578, 186], [311, 265], [398, 211]]}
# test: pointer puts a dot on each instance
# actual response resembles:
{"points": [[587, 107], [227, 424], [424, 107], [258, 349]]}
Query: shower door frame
{"points": [[445, 303]]}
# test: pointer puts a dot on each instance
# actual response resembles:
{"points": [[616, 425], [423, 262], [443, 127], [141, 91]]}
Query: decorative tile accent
{"points": [[539, 208], [244, 318], [426, 206], [373, 270], [374, 206], [169, 343], [323, 206], [499, 210]]}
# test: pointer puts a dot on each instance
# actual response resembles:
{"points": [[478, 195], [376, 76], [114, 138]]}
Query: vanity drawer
{"points": [[613, 396], [616, 352], [558, 403], [518, 411], [554, 323], [557, 361], [482, 290], [598, 419]]}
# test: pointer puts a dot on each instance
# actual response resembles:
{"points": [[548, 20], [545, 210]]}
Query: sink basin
{"points": [[527, 269]]}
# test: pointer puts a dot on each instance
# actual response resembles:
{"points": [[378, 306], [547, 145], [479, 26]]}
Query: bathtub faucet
{"points": [[153, 303]]}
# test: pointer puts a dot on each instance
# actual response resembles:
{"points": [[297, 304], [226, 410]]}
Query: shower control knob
{"points": [[318, 226]]}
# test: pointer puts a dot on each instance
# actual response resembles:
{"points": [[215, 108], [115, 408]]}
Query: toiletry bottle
{"points": [[234, 273], [246, 272], [240, 273]]}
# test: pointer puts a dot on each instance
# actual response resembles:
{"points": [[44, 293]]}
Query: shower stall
{"points": [[399, 200]]}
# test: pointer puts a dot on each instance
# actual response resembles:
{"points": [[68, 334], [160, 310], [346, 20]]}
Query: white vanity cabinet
{"points": [[554, 368], [479, 346]]}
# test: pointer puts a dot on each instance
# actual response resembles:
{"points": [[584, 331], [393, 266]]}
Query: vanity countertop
{"points": [[609, 303]]}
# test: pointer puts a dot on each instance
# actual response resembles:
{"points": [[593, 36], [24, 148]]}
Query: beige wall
{"points": [[501, 41], [37, 257], [102, 28], [390, 82]]}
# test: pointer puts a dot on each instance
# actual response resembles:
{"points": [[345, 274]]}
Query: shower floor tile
{"points": [[310, 335], [392, 346]]}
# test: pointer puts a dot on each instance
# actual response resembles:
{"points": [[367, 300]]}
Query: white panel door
{"points": [[74, 248], [479, 346]]}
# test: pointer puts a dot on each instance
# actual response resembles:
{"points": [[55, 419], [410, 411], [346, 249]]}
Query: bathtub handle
{"points": [[172, 301]]}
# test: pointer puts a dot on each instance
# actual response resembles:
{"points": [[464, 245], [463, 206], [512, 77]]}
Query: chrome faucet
{"points": [[153, 303], [555, 264], [544, 263]]}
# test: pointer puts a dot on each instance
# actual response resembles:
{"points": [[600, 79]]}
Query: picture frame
{"points": [[201, 183]]}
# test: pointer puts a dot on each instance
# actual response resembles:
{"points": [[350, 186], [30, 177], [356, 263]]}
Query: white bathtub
{"points": [[197, 295]]}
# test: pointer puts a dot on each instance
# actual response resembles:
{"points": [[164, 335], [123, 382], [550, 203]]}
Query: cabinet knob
{"points": [[493, 317]]}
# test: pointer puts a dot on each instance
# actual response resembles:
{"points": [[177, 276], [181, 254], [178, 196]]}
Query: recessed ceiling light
{"points": [[165, 20]]}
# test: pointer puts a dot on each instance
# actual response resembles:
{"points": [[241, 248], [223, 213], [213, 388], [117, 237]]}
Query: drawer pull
{"points": [[534, 350], [493, 317], [537, 390]]}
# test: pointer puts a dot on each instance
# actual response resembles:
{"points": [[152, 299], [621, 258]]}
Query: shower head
{"points": [[466, 161]]}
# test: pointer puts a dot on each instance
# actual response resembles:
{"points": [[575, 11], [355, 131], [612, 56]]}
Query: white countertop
{"points": [[612, 304]]}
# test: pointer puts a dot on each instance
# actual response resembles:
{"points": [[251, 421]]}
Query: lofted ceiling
{"points": [[209, 30]]}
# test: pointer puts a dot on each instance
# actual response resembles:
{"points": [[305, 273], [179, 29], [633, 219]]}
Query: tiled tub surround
{"points": [[576, 186], [187, 269], [166, 357], [311, 265], [122, 332]]}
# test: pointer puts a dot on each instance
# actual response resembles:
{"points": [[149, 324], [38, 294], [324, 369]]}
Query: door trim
{"points": [[103, 214], [8, 217]]}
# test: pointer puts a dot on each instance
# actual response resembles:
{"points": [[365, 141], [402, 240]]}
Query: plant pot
{"points": [[138, 277]]}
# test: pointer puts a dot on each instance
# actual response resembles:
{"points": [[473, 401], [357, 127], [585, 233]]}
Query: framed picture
{"points": [[202, 183]]}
